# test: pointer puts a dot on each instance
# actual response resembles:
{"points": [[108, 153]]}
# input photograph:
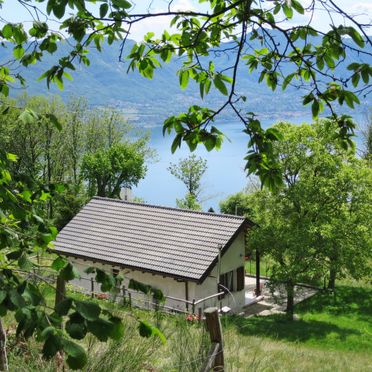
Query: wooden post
{"points": [[124, 299], [193, 306], [258, 287], [60, 290], [130, 299], [92, 287], [3, 352], [187, 295], [215, 333], [199, 314]]}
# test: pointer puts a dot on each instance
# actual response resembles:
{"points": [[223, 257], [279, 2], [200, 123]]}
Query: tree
{"points": [[318, 221], [26, 232], [259, 37], [367, 135], [190, 171], [109, 170]]}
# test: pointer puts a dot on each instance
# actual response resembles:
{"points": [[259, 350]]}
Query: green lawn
{"points": [[339, 321]]}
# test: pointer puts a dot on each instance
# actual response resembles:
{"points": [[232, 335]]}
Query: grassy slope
{"points": [[334, 333]]}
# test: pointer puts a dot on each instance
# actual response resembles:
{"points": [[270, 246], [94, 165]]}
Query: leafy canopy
{"points": [[251, 32]]}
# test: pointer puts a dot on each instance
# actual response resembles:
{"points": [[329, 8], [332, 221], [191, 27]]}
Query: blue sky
{"points": [[361, 10]]}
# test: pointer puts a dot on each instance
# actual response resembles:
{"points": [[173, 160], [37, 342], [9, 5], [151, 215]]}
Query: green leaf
{"points": [[7, 31], [100, 328], [121, 4], [288, 11], [51, 346], [220, 85], [24, 263], [315, 108], [117, 330], [176, 143], [356, 36], [103, 9], [3, 295], [59, 263], [16, 299], [54, 121], [11, 157], [297, 6], [69, 272], [18, 52], [145, 329], [76, 330], [28, 117], [184, 78], [77, 357], [64, 306], [89, 310]]}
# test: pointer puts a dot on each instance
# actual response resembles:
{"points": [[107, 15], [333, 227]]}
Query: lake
{"points": [[225, 174]]}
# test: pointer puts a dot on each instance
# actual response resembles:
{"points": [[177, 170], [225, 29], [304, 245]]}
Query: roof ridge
{"points": [[171, 208]]}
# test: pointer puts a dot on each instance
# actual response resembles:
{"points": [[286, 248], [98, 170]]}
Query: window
{"points": [[240, 278], [227, 281]]}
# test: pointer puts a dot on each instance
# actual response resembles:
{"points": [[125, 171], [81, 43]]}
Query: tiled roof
{"points": [[173, 242]]}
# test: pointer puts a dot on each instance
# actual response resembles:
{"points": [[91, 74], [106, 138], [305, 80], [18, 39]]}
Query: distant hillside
{"points": [[149, 102]]}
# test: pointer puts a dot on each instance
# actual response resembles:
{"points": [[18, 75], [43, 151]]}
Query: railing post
{"points": [[193, 306], [213, 324], [92, 287], [130, 299], [124, 299], [200, 314]]}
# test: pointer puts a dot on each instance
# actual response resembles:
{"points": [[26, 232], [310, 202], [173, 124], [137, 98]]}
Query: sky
{"points": [[362, 11]]}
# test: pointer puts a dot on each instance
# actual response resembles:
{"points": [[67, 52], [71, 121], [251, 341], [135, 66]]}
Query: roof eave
{"points": [[246, 224], [124, 266]]}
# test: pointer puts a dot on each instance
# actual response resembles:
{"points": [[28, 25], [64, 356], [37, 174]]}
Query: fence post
{"points": [[193, 306], [130, 299], [215, 333], [92, 287], [200, 314], [60, 290], [124, 299]]}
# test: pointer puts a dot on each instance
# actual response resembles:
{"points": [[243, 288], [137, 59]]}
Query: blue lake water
{"points": [[225, 174]]}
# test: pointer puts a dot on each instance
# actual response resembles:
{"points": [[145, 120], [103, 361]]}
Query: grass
{"points": [[333, 333]]}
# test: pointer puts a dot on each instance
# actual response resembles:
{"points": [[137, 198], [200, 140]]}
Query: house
{"points": [[188, 255]]}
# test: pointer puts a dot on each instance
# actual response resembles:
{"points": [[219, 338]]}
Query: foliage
{"points": [[189, 202], [333, 333], [24, 234], [109, 170], [190, 171], [318, 221], [237, 204], [50, 155], [308, 58]]}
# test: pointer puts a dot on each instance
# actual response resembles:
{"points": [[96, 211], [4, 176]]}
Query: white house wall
{"points": [[231, 260]]}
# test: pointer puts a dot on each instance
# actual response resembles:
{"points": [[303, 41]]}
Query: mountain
{"points": [[106, 83]]}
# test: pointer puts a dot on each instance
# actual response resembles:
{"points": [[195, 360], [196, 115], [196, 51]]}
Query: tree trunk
{"points": [[332, 278], [3, 354], [290, 300]]}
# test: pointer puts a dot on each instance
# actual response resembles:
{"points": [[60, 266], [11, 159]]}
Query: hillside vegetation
{"points": [[334, 333]]}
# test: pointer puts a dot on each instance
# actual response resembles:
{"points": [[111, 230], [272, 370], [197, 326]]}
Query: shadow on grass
{"points": [[344, 301], [278, 327], [354, 303]]}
